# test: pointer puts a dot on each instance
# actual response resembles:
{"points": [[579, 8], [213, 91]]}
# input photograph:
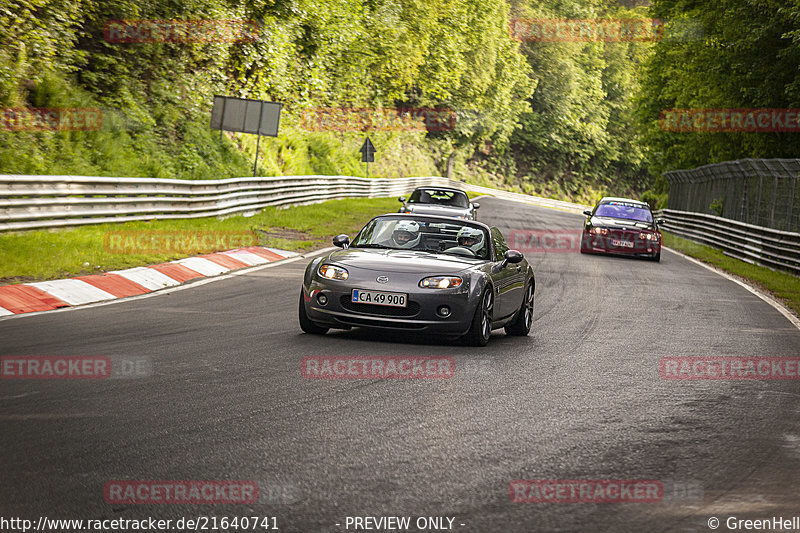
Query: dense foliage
{"points": [[308, 54], [567, 119], [744, 56], [580, 136]]}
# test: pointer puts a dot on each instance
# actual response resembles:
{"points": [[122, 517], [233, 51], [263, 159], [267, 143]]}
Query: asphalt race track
{"points": [[580, 398]]}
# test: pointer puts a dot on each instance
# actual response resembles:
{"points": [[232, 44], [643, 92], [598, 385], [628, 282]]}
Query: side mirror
{"points": [[476, 205], [588, 212], [660, 221], [341, 241], [509, 258], [513, 256], [402, 199]]}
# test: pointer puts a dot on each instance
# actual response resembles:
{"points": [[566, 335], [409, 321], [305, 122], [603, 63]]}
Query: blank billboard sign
{"points": [[245, 115]]}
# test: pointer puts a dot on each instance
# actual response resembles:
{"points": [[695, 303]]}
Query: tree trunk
{"points": [[450, 161]]}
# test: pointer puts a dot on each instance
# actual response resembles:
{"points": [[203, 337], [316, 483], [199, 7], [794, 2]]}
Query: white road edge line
{"points": [[181, 287], [764, 296]]}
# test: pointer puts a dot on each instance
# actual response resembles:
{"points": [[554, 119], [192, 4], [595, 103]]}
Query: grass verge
{"points": [[52, 254], [782, 285]]}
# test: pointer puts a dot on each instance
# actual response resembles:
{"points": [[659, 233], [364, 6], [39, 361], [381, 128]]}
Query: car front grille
{"points": [[379, 310]]}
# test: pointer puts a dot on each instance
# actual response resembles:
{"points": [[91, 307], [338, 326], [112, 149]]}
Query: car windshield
{"points": [[439, 197], [410, 233], [624, 210]]}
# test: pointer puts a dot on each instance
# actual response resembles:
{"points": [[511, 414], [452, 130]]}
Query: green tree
{"points": [[739, 54]]}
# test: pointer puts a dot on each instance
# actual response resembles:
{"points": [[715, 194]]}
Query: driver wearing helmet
{"points": [[406, 234], [471, 239]]}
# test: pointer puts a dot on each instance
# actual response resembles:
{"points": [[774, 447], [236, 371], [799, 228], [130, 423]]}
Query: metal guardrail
{"points": [[753, 244], [30, 202], [35, 202]]}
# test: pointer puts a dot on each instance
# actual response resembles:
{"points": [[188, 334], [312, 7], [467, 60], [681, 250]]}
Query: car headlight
{"points": [[333, 272], [441, 282], [649, 236], [599, 231]]}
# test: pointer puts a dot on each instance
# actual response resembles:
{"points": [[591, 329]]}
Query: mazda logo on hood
{"points": [[382, 279]]}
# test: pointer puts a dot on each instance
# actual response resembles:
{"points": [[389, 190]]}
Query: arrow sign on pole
{"points": [[367, 152]]}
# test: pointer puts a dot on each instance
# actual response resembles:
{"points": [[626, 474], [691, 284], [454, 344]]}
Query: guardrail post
{"points": [[758, 199], [774, 201], [744, 211], [790, 202]]}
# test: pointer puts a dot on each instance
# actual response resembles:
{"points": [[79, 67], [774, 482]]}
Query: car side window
{"points": [[500, 247]]}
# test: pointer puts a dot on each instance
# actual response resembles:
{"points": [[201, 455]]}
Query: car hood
{"points": [[401, 261], [619, 223], [426, 209]]}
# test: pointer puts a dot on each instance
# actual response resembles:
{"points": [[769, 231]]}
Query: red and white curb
{"points": [[49, 295]]}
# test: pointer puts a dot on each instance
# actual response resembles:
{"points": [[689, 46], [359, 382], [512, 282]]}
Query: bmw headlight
{"points": [[649, 236], [441, 282], [333, 272], [599, 231]]}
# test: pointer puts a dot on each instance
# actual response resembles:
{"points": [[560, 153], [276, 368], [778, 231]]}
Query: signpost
{"points": [[246, 116], [367, 153]]}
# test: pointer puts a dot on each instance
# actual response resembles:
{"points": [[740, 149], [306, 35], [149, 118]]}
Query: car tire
{"points": [[657, 257], [305, 323], [521, 325], [481, 327], [584, 247]]}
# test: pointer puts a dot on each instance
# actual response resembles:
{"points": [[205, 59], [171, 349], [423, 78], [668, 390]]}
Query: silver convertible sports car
{"points": [[426, 274], [440, 201]]}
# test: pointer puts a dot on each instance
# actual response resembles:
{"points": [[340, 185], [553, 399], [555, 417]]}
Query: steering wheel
{"points": [[461, 250]]}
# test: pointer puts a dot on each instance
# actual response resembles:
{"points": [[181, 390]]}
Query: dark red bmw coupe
{"points": [[621, 226]]}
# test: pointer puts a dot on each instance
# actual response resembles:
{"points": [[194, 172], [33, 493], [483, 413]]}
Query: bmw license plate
{"points": [[392, 299], [622, 244]]}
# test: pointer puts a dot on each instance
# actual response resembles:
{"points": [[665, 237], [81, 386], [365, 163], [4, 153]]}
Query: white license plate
{"points": [[623, 244], [392, 299]]}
